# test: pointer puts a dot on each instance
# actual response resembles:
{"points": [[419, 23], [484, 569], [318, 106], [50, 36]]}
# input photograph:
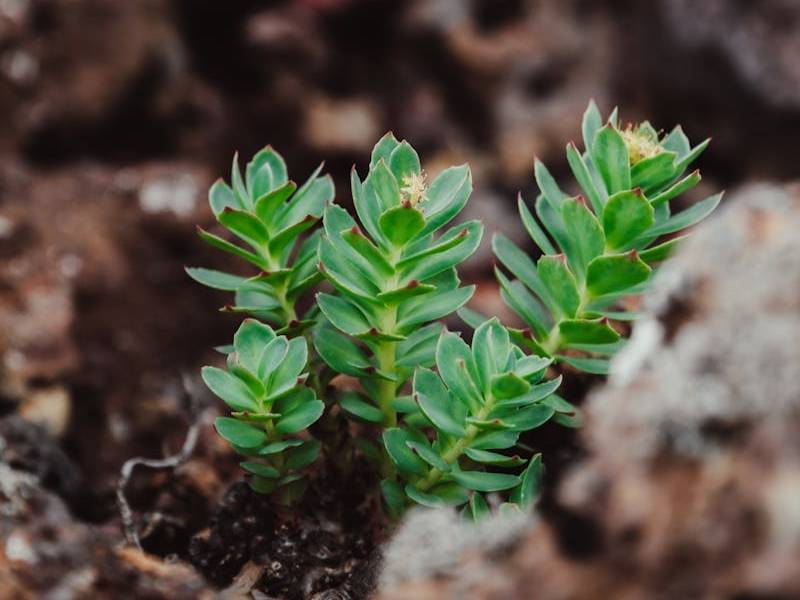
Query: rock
{"points": [[692, 477], [45, 553]]}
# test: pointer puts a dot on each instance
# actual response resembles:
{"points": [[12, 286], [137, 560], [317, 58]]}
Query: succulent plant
{"points": [[268, 212], [481, 399], [597, 247], [263, 386], [393, 277]]}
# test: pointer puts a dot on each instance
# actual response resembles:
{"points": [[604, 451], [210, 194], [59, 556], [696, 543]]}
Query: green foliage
{"points": [[482, 398], [595, 252], [268, 213], [392, 275], [263, 386]]}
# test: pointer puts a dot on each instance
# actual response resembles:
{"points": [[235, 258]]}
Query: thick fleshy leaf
{"points": [[280, 446], [494, 458], [559, 280], [250, 341], [359, 242], [412, 289], [454, 236], [381, 187], [509, 385], [626, 216], [529, 418], [245, 225], [310, 199], [260, 469], [654, 172], [676, 189], [404, 161], [238, 433], [436, 403], [221, 196], [490, 349], [482, 481], [444, 494], [477, 509], [383, 149], [494, 440], [437, 263], [419, 348], [265, 172], [340, 353], [445, 197], [522, 267], [662, 251], [532, 227], [617, 273], [230, 248], [525, 304], [435, 306], [547, 184], [579, 331], [344, 315], [230, 389], [686, 218], [595, 193], [394, 440], [586, 233], [216, 279], [590, 124], [596, 366], [301, 417], [303, 455], [400, 224], [529, 488], [457, 368], [393, 496], [272, 355], [268, 204], [610, 156], [285, 376], [368, 212], [426, 453], [285, 238], [352, 403]]}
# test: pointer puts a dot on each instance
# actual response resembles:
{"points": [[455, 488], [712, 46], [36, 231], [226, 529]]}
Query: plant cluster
{"points": [[441, 418]]}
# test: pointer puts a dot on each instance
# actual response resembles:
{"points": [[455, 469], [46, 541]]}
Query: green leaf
{"points": [[343, 314], [368, 212], [279, 446], [265, 172], [676, 189], [444, 494], [528, 491], [383, 149], [359, 242], [578, 331], [393, 496], [435, 307], [547, 184], [586, 233], [686, 218], [491, 348], [271, 357], [268, 204], [394, 440], [230, 248], [457, 369], [285, 376], [412, 289], [381, 187], [469, 238], [286, 237], [238, 433], [493, 458], [522, 302], [419, 348], [310, 199], [626, 216], [613, 274], [529, 418], [596, 366], [238, 185], [245, 225], [536, 393], [221, 196], [232, 390], [522, 267], [685, 161], [436, 403], [445, 197], [495, 440], [560, 282], [400, 224], [303, 455], [301, 417], [532, 227], [532, 368], [485, 482], [404, 161], [597, 196], [340, 353], [352, 403], [250, 341], [654, 172], [662, 251], [477, 509], [425, 452], [610, 156], [508, 385], [216, 279], [591, 124], [260, 469]]}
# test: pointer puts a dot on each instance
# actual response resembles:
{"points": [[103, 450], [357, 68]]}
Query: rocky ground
{"points": [[118, 116]]}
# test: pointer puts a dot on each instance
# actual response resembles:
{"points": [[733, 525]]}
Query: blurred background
{"points": [[118, 114]]}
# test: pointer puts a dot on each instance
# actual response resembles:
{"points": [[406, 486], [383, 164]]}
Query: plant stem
{"points": [[457, 449]]}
